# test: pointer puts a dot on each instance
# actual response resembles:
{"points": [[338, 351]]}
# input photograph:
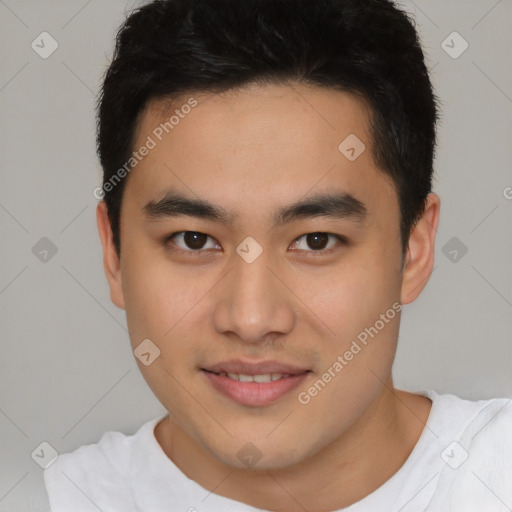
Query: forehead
{"points": [[259, 142], [294, 116]]}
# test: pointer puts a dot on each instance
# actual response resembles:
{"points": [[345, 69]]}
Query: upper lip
{"points": [[261, 368]]}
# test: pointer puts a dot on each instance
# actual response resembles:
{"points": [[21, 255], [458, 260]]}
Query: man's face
{"points": [[205, 299]]}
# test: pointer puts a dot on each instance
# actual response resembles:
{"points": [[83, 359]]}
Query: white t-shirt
{"points": [[462, 462]]}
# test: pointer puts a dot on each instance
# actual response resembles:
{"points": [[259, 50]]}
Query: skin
{"points": [[253, 151]]}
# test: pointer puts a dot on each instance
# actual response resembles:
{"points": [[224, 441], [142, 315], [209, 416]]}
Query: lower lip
{"points": [[254, 393]]}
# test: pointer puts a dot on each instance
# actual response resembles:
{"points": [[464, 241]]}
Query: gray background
{"points": [[67, 374]]}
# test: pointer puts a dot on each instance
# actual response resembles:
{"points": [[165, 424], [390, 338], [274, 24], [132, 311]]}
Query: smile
{"points": [[265, 377], [255, 389]]}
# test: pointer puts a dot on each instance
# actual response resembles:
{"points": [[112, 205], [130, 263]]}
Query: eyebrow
{"points": [[333, 205]]}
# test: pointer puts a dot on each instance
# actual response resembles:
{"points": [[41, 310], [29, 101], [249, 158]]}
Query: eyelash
{"points": [[343, 241]]}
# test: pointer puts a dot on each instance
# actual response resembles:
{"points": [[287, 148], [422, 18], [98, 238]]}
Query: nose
{"points": [[253, 303]]}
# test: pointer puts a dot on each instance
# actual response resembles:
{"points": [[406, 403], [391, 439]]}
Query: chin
{"points": [[259, 455]]}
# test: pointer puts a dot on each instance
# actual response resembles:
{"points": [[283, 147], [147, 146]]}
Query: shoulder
{"points": [[482, 428], [489, 420], [477, 468], [95, 473], [488, 437]]}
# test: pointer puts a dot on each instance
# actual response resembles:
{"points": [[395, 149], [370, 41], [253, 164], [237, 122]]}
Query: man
{"points": [[267, 211]]}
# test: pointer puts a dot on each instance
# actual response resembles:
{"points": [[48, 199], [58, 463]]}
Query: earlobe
{"points": [[419, 259], [111, 263]]}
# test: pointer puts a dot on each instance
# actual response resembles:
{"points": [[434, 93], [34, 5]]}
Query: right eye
{"points": [[192, 241]]}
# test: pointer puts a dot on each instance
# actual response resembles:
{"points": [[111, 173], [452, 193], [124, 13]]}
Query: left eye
{"points": [[317, 241]]}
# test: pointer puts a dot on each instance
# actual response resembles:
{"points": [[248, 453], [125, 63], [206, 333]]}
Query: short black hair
{"points": [[369, 48]]}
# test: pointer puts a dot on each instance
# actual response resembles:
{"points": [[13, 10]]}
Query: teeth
{"points": [[267, 377], [262, 378]]}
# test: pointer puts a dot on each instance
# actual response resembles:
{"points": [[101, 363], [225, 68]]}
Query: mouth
{"points": [[252, 384], [244, 377]]}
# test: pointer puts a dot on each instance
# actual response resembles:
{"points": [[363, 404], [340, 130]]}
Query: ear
{"points": [[111, 262], [419, 259]]}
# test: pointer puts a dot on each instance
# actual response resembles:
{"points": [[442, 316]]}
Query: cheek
{"points": [[351, 296], [356, 361], [366, 327], [166, 304], [356, 302], [156, 297], [162, 305]]}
